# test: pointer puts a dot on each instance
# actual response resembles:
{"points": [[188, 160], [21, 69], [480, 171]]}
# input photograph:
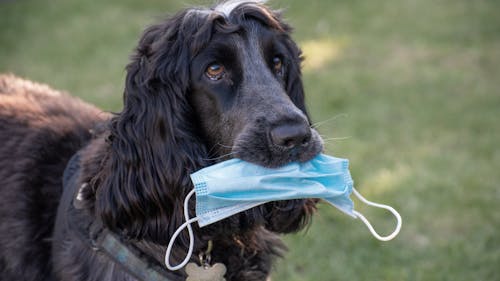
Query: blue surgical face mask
{"points": [[233, 186]]}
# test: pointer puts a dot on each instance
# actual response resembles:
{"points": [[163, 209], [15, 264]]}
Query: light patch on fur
{"points": [[197, 11], [227, 7], [224, 9], [80, 196]]}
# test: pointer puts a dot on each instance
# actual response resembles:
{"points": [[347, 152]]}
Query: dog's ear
{"points": [[153, 144]]}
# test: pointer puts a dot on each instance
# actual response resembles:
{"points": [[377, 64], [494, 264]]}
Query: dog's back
{"points": [[40, 129]]}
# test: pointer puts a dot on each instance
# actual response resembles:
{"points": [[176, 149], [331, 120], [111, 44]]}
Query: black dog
{"points": [[203, 86]]}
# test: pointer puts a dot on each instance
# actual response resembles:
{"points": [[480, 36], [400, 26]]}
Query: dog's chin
{"points": [[286, 216]]}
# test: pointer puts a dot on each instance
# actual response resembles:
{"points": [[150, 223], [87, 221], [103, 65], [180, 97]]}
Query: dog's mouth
{"points": [[256, 145]]}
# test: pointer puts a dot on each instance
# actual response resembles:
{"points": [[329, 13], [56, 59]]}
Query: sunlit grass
{"points": [[319, 53], [385, 180]]}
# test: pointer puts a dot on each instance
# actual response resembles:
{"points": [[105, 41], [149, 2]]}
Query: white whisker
{"points": [[220, 157], [336, 139], [225, 146], [318, 124]]}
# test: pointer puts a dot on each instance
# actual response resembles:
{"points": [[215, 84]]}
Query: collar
{"points": [[129, 259], [92, 233]]}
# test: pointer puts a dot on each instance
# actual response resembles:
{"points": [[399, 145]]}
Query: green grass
{"points": [[411, 92]]}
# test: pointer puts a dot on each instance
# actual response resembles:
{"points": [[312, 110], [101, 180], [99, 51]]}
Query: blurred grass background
{"points": [[408, 90]]}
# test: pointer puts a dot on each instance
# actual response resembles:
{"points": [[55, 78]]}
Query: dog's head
{"points": [[246, 88], [204, 86]]}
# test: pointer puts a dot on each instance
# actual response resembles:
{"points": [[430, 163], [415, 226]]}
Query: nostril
{"points": [[291, 135], [306, 140]]}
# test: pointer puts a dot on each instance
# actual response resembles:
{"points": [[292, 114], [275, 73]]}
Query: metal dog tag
{"points": [[214, 272]]}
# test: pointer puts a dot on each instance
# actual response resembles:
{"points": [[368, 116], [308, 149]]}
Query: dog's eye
{"points": [[215, 71], [278, 65]]}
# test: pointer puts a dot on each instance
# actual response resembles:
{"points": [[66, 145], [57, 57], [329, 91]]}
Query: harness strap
{"points": [[132, 263]]}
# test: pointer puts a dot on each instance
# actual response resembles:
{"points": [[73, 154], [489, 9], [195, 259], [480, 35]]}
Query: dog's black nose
{"points": [[291, 135]]}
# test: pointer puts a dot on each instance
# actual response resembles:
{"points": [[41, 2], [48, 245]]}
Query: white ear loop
{"points": [[187, 225], [189, 221], [368, 224]]}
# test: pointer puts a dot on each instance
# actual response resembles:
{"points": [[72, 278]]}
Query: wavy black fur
{"points": [[135, 165]]}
